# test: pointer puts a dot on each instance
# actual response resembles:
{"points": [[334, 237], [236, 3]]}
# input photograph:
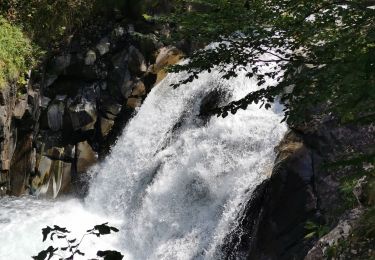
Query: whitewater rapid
{"points": [[173, 182]]}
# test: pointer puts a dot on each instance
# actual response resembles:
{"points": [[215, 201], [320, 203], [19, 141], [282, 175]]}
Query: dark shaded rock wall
{"points": [[272, 225], [75, 106]]}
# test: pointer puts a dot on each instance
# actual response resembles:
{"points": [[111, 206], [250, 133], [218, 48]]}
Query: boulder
{"points": [[86, 157], [133, 103], [118, 32], [106, 126], [138, 89], [136, 61], [103, 46], [53, 177], [60, 178], [39, 184], [55, 115], [126, 87], [20, 108], [137, 94], [109, 107], [83, 115], [66, 153], [119, 78], [90, 58], [166, 56]]}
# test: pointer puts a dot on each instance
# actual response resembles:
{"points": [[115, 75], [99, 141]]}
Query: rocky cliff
{"points": [[303, 210], [73, 108]]}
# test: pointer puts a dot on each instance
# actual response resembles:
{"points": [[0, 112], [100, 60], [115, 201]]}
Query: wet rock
{"points": [[103, 46], [90, 58], [66, 153], [60, 179], [40, 183], [86, 157], [213, 100], [20, 108], [83, 115], [22, 165], [139, 89], [55, 115], [166, 56], [119, 79], [134, 103], [137, 94], [136, 61], [110, 107], [106, 126], [118, 32], [126, 87], [53, 177], [288, 199], [44, 102]]}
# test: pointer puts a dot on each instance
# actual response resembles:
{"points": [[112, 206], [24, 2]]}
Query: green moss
{"points": [[16, 52]]}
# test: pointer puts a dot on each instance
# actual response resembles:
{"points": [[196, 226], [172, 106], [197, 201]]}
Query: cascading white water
{"points": [[173, 182]]}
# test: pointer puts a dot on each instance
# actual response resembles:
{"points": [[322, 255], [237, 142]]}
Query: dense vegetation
{"points": [[321, 53], [30, 28], [16, 52]]}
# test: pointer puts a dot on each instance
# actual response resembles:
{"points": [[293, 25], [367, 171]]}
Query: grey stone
{"points": [[20, 108], [55, 116], [103, 46], [106, 126], [136, 61], [86, 157], [44, 101], [90, 58], [83, 115]]}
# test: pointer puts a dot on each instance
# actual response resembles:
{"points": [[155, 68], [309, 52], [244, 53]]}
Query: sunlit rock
{"points": [[86, 157]]}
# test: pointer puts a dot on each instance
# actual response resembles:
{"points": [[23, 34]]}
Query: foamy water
{"points": [[172, 183]]}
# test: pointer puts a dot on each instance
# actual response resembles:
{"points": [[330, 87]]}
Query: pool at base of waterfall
{"points": [[22, 220]]}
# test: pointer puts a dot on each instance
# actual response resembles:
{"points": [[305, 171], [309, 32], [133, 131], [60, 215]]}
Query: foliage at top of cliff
{"points": [[319, 54], [16, 52], [29, 27], [49, 23]]}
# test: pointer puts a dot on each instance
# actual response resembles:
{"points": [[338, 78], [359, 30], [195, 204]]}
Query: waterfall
{"points": [[173, 182]]}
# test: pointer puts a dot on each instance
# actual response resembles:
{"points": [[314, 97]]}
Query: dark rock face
{"points": [[272, 223], [73, 111]]}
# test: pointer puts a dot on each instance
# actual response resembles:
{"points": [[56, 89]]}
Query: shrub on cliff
{"points": [[16, 52]]}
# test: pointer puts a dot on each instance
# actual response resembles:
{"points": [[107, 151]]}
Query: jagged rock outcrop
{"points": [[273, 223], [74, 108]]}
